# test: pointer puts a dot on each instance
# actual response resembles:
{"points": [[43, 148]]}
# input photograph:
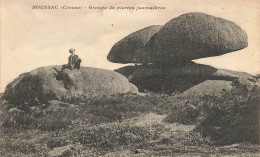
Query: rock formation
{"points": [[48, 83], [227, 104], [166, 56], [190, 78], [195, 35], [126, 50], [189, 36]]}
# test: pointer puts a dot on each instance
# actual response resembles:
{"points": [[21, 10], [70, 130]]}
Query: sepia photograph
{"points": [[129, 78]]}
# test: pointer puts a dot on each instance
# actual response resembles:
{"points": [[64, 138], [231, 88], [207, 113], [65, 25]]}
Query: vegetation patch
{"points": [[152, 124]]}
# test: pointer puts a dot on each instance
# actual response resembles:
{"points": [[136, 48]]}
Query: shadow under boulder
{"points": [[188, 78]]}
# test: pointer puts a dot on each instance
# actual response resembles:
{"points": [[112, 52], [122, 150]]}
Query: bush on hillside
{"points": [[112, 135], [229, 118]]}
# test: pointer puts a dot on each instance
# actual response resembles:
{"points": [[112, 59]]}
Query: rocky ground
{"points": [[133, 125]]}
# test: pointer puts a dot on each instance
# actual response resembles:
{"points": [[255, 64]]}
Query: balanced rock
{"points": [[126, 49], [192, 36], [49, 83], [189, 78]]}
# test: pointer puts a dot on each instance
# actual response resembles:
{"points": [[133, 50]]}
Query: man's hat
{"points": [[72, 50]]}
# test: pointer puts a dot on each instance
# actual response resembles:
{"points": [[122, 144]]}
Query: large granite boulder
{"points": [[189, 78], [126, 49], [192, 36], [48, 83]]}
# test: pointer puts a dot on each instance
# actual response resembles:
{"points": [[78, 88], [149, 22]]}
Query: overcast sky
{"points": [[35, 38]]}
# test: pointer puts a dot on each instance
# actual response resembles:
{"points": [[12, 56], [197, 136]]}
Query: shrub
{"points": [[187, 139], [235, 119], [21, 147], [52, 124], [19, 121], [116, 134], [184, 113], [227, 118], [53, 143]]}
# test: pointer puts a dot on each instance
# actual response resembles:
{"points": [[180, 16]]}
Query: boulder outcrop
{"points": [[193, 36], [49, 83], [166, 53], [190, 78], [127, 49], [186, 37]]}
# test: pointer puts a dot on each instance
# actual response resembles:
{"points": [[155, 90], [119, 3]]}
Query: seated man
{"points": [[74, 61]]}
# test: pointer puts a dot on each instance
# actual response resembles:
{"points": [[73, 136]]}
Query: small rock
{"points": [[14, 111]]}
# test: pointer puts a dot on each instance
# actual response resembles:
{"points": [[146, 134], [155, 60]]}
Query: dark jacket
{"points": [[73, 59]]}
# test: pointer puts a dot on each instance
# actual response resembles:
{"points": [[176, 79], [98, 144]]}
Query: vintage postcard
{"points": [[130, 78]]}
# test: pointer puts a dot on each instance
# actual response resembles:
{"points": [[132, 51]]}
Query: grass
{"points": [[154, 124]]}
